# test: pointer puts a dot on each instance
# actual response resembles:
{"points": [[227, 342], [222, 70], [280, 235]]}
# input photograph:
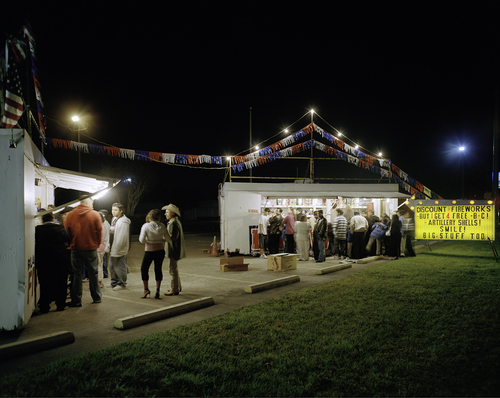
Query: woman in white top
{"points": [[153, 235], [302, 237]]}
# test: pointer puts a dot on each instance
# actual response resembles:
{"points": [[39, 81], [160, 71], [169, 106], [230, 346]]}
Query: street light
{"points": [[76, 119], [462, 150]]}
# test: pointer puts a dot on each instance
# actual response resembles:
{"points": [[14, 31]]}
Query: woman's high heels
{"points": [[157, 295], [147, 292]]}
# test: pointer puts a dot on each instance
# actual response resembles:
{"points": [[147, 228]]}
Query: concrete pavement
{"points": [[93, 324]]}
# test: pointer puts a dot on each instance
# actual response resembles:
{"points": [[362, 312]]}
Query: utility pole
{"points": [[250, 140]]}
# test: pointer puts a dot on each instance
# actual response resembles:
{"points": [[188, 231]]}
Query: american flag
{"points": [[13, 94]]}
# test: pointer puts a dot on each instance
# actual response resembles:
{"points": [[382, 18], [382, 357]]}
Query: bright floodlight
{"points": [[380, 154], [312, 110], [75, 118], [462, 148]]}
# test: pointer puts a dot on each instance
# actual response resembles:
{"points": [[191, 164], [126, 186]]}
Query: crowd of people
{"points": [[350, 234], [83, 245]]}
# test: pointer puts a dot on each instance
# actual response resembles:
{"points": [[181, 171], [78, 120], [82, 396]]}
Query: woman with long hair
{"points": [[153, 235], [395, 237]]}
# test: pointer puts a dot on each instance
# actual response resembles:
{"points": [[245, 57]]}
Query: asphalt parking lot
{"points": [[93, 324]]}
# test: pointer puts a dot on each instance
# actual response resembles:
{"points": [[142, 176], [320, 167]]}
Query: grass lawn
{"points": [[422, 326]]}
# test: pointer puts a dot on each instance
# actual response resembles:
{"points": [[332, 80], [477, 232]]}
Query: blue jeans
{"points": [[105, 265], [321, 250], [87, 259]]}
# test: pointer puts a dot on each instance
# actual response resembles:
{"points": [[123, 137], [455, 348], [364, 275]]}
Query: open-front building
{"points": [[28, 185]]}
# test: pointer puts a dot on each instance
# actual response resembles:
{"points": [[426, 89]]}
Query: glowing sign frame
{"points": [[454, 219]]}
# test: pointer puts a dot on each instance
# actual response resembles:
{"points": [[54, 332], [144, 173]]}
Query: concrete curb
{"points": [[163, 313], [259, 287], [333, 268], [36, 344], [369, 259]]}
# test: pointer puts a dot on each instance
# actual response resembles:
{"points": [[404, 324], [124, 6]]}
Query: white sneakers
{"points": [[119, 287], [263, 256]]}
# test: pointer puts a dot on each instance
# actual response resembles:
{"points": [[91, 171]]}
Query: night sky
{"points": [[412, 80]]}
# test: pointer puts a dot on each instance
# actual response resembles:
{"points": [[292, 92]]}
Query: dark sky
{"points": [[412, 80]]}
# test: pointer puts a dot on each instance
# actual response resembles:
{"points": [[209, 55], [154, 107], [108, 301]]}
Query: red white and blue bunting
{"points": [[286, 147], [132, 154]]}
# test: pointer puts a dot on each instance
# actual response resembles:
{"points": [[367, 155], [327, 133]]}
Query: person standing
{"points": [[377, 234], [340, 234], [275, 228], [319, 236], [302, 237], [119, 244], [175, 249], [84, 226], [101, 251], [289, 221], [105, 258], [359, 226], [51, 241], [153, 234], [395, 238], [263, 224], [409, 233], [401, 218]]}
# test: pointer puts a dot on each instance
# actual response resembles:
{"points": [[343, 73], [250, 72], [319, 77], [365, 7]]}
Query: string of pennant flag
{"points": [[286, 147]]}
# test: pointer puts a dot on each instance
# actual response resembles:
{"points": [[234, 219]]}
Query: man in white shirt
{"points": [[263, 224], [359, 226]]}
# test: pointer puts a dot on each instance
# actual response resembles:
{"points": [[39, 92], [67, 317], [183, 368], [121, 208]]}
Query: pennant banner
{"points": [[281, 149]]}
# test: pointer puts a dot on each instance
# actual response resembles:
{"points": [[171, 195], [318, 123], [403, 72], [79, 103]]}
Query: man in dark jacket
{"points": [[51, 256], [275, 228], [319, 235]]}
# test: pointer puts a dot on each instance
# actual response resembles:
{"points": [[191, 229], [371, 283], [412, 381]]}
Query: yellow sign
{"points": [[454, 220]]}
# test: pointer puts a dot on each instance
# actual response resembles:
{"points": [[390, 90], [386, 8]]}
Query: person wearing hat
{"points": [[175, 249]]}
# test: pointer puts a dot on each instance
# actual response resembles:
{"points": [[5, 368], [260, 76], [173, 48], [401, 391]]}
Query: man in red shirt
{"points": [[84, 226], [289, 221]]}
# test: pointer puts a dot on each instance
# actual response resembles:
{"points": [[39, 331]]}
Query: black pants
{"points": [[358, 245], [315, 248], [157, 257], [395, 244], [409, 247], [53, 287], [290, 244], [274, 243]]}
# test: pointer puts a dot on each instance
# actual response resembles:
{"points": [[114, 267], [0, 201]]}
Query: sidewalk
{"points": [[93, 324]]}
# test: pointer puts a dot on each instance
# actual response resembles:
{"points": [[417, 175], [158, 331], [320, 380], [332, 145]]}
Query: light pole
{"points": [[76, 119], [462, 150]]}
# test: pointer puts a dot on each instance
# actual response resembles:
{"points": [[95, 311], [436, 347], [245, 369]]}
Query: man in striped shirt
{"points": [[340, 235]]}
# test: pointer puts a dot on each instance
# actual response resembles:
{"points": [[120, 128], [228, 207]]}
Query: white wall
{"points": [[240, 210], [18, 294]]}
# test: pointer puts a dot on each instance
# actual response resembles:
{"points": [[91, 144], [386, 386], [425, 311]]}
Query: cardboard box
{"points": [[233, 264], [233, 267], [231, 260], [281, 262]]}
